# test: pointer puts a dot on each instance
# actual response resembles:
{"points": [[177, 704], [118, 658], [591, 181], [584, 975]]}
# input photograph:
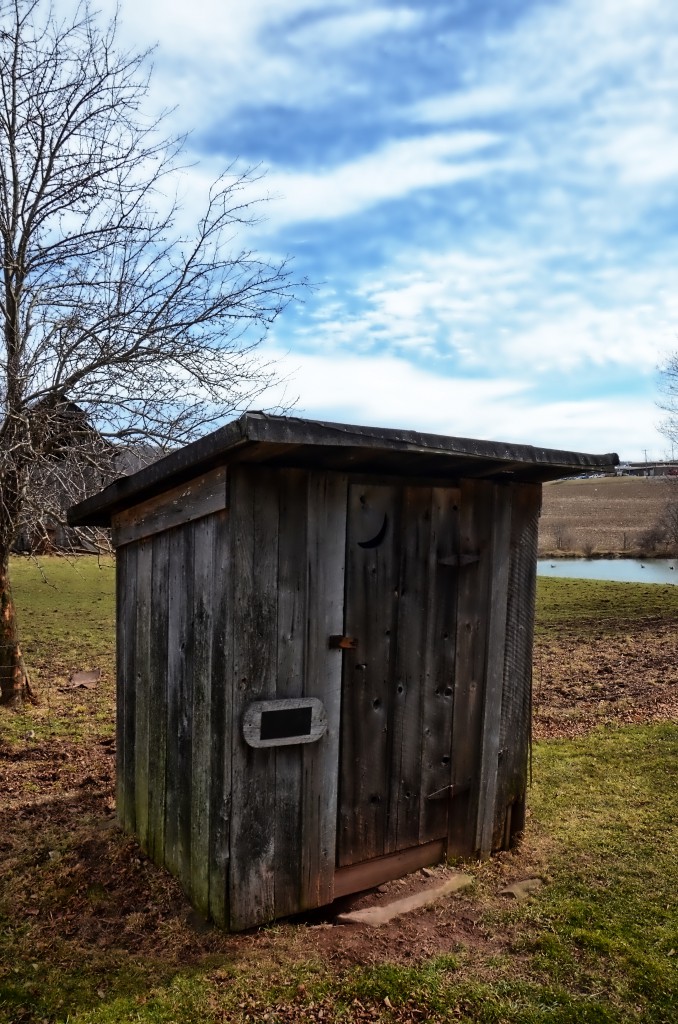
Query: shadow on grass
{"points": [[92, 932], [85, 919]]}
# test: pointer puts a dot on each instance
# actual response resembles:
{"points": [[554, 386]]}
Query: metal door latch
{"points": [[337, 642]]}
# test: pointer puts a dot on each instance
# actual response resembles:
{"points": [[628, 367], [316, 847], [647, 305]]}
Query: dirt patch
{"points": [[64, 859], [451, 924], [616, 676], [38, 773]]}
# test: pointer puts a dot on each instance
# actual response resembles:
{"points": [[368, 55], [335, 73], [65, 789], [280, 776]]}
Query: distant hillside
{"points": [[607, 515]]}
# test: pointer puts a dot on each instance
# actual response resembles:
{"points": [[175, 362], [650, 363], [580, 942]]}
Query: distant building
{"points": [[648, 469]]}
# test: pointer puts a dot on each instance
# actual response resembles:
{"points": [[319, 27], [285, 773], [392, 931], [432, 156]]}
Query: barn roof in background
{"points": [[279, 441]]}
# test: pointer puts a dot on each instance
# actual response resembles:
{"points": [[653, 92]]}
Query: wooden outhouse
{"points": [[324, 655]]}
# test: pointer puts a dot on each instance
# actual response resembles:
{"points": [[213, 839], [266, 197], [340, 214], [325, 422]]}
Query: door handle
{"points": [[460, 560]]}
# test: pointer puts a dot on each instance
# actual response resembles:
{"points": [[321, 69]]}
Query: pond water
{"points": [[622, 570]]}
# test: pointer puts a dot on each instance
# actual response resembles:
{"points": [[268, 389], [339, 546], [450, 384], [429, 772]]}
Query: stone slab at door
{"points": [[398, 683]]}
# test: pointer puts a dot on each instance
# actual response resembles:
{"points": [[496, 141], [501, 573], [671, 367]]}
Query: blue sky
{"points": [[484, 193]]}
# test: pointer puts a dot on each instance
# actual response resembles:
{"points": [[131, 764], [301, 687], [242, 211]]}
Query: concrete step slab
{"points": [[377, 916]]}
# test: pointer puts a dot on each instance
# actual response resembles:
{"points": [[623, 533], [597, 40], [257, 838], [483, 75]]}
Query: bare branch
{"points": [[118, 332]]}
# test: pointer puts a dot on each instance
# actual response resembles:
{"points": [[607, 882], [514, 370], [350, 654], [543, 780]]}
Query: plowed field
{"points": [[612, 515]]}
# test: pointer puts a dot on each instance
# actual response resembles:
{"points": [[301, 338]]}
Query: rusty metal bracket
{"points": [[337, 642]]}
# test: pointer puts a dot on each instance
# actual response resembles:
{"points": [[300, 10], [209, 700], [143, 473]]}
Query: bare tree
{"points": [[117, 330], [668, 388]]}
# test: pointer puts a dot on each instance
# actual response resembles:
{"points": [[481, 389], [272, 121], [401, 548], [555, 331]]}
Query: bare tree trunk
{"points": [[118, 330], [15, 685]]}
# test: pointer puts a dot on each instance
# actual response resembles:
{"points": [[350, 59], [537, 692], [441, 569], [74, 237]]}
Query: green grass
{"points": [[607, 922], [66, 616], [597, 945], [571, 604], [66, 609]]}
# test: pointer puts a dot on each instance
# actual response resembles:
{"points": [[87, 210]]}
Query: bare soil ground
{"points": [[98, 894], [603, 515], [605, 678]]}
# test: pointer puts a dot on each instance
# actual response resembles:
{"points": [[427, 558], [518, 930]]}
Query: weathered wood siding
{"points": [[492, 709], [428, 717], [229, 608], [516, 709], [476, 510], [171, 621], [288, 533], [398, 682]]}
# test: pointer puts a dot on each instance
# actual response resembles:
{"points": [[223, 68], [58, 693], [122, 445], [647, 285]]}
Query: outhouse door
{"points": [[398, 683]]}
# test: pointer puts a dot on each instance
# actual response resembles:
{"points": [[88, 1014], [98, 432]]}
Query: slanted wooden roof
{"points": [[278, 441]]}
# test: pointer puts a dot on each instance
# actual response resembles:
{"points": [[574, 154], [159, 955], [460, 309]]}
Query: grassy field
{"points": [[67, 621], [604, 515], [90, 931]]}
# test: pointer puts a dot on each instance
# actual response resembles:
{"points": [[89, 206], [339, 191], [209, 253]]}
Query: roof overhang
{"points": [[279, 441]]}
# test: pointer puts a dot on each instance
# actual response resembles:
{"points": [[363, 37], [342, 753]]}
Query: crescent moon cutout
{"points": [[378, 537]]}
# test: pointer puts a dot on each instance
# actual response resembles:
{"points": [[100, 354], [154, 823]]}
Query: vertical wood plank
{"points": [[142, 683], [293, 614], [476, 509], [221, 720], [371, 615], [157, 722], [517, 687], [185, 725], [203, 617], [406, 697], [130, 690], [125, 673], [255, 569], [120, 649], [179, 705], [323, 678], [494, 670], [439, 665]]}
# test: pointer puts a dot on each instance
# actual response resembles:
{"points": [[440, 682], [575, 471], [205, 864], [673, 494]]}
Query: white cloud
{"points": [[214, 58], [212, 28], [334, 32], [391, 172], [645, 154], [519, 309], [387, 391], [465, 105], [591, 90]]}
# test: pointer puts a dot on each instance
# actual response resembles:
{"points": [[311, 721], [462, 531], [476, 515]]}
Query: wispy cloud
{"points": [[389, 173], [330, 30], [466, 105], [486, 191], [215, 59], [388, 391], [520, 309]]}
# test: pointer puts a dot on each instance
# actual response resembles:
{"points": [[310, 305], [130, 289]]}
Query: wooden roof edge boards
{"points": [[277, 429], [184, 463], [249, 436]]}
